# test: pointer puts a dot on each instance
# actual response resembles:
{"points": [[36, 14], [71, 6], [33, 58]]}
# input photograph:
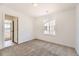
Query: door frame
{"points": [[4, 14], [14, 31]]}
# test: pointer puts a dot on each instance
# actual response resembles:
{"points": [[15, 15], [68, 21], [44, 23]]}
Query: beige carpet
{"points": [[37, 48]]}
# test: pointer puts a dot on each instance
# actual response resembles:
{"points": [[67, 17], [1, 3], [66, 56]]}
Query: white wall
{"points": [[65, 28], [25, 29], [77, 29], [25, 24], [0, 28]]}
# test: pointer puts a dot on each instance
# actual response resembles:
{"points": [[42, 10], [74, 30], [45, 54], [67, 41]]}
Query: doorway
{"points": [[10, 31]]}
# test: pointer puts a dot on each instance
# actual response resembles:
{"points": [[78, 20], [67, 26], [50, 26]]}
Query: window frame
{"points": [[51, 26]]}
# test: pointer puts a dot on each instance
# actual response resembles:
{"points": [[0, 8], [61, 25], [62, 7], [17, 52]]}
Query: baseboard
{"points": [[55, 43]]}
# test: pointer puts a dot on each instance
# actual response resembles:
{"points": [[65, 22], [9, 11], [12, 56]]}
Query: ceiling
{"points": [[39, 10]]}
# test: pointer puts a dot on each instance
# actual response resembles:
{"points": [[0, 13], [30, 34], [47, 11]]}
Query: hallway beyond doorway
{"points": [[10, 31]]}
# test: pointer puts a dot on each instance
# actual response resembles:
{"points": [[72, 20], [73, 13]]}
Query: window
{"points": [[49, 27]]}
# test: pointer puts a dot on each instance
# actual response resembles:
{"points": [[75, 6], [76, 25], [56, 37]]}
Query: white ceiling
{"points": [[39, 10]]}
